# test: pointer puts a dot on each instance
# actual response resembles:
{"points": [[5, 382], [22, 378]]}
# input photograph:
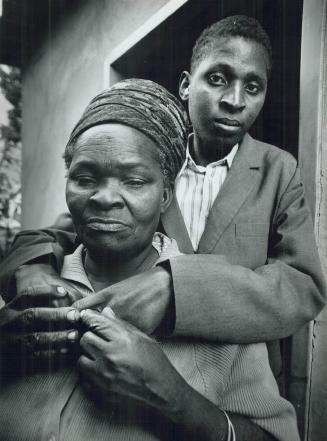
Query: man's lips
{"points": [[230, 125], [106, 225], [228, 122]]}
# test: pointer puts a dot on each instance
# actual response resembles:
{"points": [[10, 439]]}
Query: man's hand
{"points": [[40, 285], [142, 300], [34, 336], [38, 326]]}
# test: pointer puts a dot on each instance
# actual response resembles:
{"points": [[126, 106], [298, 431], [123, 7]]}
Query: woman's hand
{"points": [[120, 359]]}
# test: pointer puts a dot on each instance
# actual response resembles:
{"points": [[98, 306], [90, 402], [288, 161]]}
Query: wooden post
{"points": [[313, 160]]}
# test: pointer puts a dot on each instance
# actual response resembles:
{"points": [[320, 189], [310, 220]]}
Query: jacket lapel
{"points": [[238, 184], [174, 226]]}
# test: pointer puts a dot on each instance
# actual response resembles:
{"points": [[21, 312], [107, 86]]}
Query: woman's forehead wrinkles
{"points": [[123, 163], [103, 147], [96, 138], [102, 158]]}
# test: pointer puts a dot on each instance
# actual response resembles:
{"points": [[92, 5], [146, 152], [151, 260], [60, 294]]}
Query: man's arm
{"points": [[46, 246], [238, 304], [36, 296], [213, 299], [207, 297]]}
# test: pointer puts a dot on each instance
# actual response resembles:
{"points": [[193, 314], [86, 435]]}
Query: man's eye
{"points": [[252, 88], [217, 79]]}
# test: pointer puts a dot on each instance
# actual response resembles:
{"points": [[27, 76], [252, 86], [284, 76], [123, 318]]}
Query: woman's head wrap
{"points": [[145, 106]]}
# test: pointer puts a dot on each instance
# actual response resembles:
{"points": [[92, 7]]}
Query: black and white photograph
{"points": [[163, 220]]}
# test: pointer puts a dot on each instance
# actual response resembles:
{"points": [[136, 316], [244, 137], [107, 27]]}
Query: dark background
{"points": [[165, 53]]}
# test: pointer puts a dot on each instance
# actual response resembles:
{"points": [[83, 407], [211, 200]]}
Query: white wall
{"points": [[65, 74]]}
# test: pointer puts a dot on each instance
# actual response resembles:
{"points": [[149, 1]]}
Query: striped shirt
{"points": [[196, 189]]}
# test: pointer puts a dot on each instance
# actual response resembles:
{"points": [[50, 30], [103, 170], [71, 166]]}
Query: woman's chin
{"points": [[108, 251]]}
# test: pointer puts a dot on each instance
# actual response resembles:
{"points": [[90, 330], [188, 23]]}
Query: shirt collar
{"points": [[73, 266], [189, 161]]}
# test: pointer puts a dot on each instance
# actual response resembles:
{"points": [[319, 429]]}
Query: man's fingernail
{"points": [[61, 290], [82, 313], [73, 315], [73, 335]]}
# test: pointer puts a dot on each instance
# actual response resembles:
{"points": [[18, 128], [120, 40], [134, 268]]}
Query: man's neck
{"points": [[205, 153]]}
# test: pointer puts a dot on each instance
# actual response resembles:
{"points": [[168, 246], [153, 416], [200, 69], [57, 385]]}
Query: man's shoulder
{"points": [[274, 160], [273, 153]]}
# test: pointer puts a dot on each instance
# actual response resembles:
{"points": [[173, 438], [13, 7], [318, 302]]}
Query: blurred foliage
{"points": [[10, 158]]}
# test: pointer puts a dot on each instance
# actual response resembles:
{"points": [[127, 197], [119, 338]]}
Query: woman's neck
{"points": [[105, 270]]}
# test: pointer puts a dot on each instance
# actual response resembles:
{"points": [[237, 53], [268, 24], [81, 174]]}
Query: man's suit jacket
{"points": [[256, 275]]}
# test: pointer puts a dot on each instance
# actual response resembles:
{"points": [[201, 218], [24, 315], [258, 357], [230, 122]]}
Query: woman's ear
{"points": [[184, 85], [167, 197]]}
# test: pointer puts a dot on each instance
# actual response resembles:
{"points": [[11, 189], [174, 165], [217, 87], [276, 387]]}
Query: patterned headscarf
{"points": [[145, 106]]}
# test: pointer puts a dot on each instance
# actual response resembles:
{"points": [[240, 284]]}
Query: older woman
{"points": [[122, 159]]}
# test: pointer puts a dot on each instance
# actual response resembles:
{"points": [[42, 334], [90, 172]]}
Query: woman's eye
{"points": [[252, 88], [84, 180], [217, 79], [135, 182]]}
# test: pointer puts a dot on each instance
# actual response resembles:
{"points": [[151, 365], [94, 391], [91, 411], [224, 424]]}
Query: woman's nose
{"points": [[233, 98], [107, 195]]}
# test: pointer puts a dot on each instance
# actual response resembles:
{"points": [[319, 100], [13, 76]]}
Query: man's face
{"points": [[115, 190], [226, 91]]}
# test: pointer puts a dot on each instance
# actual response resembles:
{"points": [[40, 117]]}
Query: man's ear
{"points": [[167, 197], [184, 85]]}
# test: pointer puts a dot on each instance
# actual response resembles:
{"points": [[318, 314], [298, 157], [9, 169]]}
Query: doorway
{"points": [[165, 52]]}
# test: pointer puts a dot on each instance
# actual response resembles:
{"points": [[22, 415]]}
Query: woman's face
{"points": [[115, 190]]}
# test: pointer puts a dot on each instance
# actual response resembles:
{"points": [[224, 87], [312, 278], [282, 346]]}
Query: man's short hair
{"points": [[233, 26]]}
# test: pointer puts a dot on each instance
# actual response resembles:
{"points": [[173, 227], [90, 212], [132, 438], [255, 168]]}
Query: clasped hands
{"points": [[116, 357], [38, 324], [44, 321]]}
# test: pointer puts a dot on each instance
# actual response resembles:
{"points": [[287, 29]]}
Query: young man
{"points": [[252, 270]]}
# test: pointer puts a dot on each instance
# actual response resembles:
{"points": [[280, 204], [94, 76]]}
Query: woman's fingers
{"points": [[93, 345], [104, 325]]}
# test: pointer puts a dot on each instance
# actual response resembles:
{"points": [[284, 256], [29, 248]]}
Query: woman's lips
{"points": [[111, 226]]}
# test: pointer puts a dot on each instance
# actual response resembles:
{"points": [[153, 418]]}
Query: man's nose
{"points": [[233, 98], [108, 195]]}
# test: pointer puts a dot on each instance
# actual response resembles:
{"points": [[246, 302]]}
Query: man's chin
{"points": [[227, 138], [228, 142]]}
